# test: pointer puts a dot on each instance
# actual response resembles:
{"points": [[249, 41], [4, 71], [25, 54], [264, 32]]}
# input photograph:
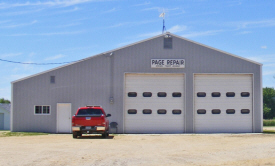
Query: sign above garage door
{"points": [[167, 63]]}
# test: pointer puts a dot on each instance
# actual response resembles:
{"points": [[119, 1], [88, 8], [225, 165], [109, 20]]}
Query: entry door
{"points": [[64, 118], [1, 121]]}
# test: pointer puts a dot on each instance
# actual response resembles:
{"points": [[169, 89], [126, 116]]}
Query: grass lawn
{"points": [[6, 133], [269, 131], [269, 122]]}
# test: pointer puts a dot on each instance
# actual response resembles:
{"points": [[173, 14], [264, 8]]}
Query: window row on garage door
{"points": [[150, 111], [227, 94], [227, 111], [149, 94]]}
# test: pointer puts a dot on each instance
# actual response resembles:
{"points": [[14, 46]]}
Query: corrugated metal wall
{"points": [[89, 82]]}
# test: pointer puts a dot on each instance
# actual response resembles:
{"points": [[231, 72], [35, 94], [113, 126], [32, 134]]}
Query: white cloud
{"points": [[134, 23], [145, 35], [1, 22], [174, 29], [203, 33], [177, 28], [32, 54], [54, 57], [47, 34], [68, 25], [264, 47], [267, 59], [18, 25], [160, 9], [10, 55], [54, 3], [269, 72], [143, 4], [59, 33], [111, 10], [153, 8], [245, 32], [252, 24], [69, 11], [20, 12], [234, 3]]}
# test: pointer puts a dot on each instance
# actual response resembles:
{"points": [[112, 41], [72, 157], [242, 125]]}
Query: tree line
{"points": [[269, 103], [2, 100]]}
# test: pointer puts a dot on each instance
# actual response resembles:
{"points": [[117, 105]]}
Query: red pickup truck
{"points": [[90, 120]]}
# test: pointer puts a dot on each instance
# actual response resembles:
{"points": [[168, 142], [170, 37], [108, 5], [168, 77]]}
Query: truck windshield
{"points": [[89, 112]]}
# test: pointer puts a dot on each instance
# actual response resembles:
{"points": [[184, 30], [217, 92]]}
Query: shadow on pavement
{"points": [[95, 137]]}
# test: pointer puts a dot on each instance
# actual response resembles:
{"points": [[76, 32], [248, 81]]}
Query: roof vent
{"points": [[167, 41]]}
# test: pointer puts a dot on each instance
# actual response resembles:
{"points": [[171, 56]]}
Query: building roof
{"points": [[6, 106], [110, 51]]}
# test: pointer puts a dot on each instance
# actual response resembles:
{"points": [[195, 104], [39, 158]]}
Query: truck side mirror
{"points": [[108, 115]]}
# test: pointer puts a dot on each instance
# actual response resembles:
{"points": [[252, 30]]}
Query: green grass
{"points": [[269, 122], [269, 131], [17, 134]]}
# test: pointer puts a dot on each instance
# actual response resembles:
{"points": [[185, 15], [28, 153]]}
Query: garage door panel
{"points": [[223, 122], [154, 127], [154, 123]]}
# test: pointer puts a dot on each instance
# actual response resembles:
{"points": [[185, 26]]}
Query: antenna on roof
{"points": [[163, 16]]}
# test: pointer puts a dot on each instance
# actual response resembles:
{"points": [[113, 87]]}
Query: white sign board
{"points": [[167, 63]]}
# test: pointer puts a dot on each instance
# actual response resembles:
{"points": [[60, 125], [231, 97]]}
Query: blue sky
{"points": [[53, 31]]}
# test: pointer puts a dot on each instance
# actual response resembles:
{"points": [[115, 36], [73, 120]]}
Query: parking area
{"points": [[183, 149]]}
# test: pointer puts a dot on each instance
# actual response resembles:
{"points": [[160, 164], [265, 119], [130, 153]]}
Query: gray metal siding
{"points": [[1, 121], [89, 82]]}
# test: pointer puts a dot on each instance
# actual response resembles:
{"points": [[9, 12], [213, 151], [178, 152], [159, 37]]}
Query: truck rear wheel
{"points": [[105, 134], [75, 134]]}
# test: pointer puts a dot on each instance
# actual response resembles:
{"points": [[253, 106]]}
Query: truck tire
{"points": [[104, 135], [75, 134]]}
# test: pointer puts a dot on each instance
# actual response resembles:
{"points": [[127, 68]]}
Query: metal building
{"points": [[165, 84], [5, 116]]}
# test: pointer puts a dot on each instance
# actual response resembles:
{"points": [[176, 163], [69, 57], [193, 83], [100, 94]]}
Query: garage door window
{"points": [[245, 111], [230, 111], [42, 110], [201, 94], [147, 94], [176, 94], [245, 94], [132, 111], [230, 94], [176, 112], [132, 94], [147, 111], [216, 94], [162, 111], [201, 111], [162, 94], [216, 111]]}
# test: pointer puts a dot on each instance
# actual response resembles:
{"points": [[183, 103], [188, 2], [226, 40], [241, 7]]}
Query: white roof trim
{"points": [[132, 45]]}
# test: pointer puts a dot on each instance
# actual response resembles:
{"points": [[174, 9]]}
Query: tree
{"points": [[2, 100], [269, 103]]}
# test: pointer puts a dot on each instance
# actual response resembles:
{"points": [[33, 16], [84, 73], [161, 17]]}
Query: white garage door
{"points": [[154, 103], [223, 103]]}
